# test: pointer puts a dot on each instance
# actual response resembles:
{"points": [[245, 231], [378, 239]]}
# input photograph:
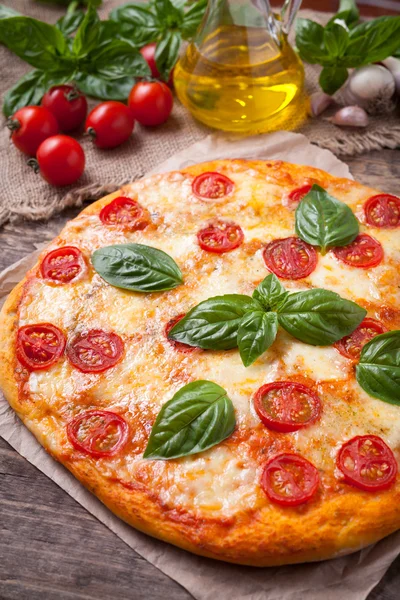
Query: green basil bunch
{"points": [[345, 44], [167, 22], [199, 416], [102, 65], [318, 317]]}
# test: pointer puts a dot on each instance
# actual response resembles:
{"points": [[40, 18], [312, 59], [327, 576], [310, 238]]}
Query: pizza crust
{"points": [[269, 535]]}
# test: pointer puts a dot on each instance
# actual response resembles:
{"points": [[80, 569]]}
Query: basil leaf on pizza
{"points": [[199, 416], [214, 323], [270, 292], [137, 267], [319, 317], [378, 371], [257, 332], [324, 221]]}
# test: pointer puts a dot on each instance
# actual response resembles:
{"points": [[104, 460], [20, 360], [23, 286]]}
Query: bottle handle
{"points": [[288, 14]]}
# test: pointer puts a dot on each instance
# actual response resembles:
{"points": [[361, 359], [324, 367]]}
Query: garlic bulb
{"points": [[372, 88], [393, 64], [350, 116]]}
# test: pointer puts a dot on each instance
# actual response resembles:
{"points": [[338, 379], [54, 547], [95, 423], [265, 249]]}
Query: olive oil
{"points": [[239, 79]]}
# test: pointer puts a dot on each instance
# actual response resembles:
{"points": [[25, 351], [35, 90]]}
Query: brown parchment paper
{"points": [[345, 578]]}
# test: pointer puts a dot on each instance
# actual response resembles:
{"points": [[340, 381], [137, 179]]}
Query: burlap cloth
{"points": [[24, 194]]}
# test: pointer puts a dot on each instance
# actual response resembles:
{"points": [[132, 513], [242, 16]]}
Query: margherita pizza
{"points": [[215, 354]]}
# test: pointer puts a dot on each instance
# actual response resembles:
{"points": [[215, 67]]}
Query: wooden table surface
{"points": [[50, 547]]}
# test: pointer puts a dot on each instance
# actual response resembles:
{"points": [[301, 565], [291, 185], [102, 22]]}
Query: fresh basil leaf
{"points": [[310, 43], [87, 36], [137, 267], [70, 22], [378, 371], [257, 332], [332, 78], [118, 59], [270, 292], [322, 220], [39, 44], [373, 41], [214, 323], [104, 89], [167, 53], [28, 90], [199, 416], [192, 19], [336, 39], [145, 26], [169, 15], [319, 317]]}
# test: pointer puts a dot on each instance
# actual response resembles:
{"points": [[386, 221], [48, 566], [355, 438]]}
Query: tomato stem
{"points": [[90, 131], [13, 124], [72, 94], [33, 163]]}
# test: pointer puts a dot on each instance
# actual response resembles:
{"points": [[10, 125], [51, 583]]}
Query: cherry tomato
{"points": [[99, 433], [63, 265], [367, 463], [383, 210], [290, 258], [286, 406], [125, 213], [151, 102], [110, 124], [363, 252], [298, 194], [289, 479], [212, 186], [30, 126], [351, 345], [180, 346], [39, 346], [148, 52], [95, 351], [220, 237], [68, 105], [60, 160]]}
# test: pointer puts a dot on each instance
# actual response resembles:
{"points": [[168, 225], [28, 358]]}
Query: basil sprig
{"points": [[137, 267], [99, 58], [378, 371], [324, 221], [318, 317], [344, 44], [199, 416]]}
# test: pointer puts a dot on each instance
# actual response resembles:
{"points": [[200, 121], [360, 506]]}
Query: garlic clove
{"points": [[350, 116], [319, 102]]}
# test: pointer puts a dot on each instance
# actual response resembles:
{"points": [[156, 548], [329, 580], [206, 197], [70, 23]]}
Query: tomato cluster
{"points": [[60, 159]]}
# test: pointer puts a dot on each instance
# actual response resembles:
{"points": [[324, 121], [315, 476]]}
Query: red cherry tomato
{"points": [[60, 160], [290, 258], [110, 124], [383, 210], [151, 102], [180, 346], [367, 463], [148, 52], [363, 253], [220, 237], [351, 345], [30, 126], [68, 105], [286, 406], [99, 433], [63, 265], [125, 213], [298, 194], [95, 351], [212, 186], [39, 346], [289, 479]]}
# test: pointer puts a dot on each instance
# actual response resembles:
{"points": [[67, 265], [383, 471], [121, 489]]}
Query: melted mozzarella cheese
{"points": [[225, 479]]}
